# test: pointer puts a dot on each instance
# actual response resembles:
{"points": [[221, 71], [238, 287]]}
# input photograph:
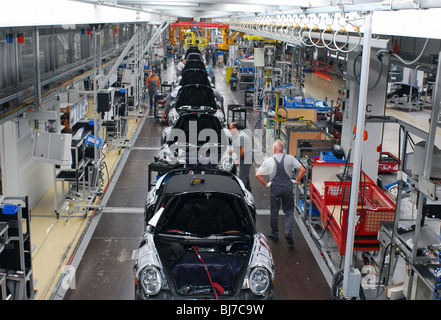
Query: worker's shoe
{"points": [[273, 236], [289, 239]]}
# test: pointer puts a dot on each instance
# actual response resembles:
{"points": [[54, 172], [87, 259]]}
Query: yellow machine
{"points": [[192, 40], [227, 39]]}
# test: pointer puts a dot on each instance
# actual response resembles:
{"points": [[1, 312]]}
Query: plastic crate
{"points": [[322, 106], [314, 213], [299, 102], [328, 157]]}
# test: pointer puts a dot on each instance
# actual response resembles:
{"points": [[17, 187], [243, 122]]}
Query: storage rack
{"points": [[410, 244], [117, 125], [16, 273], [245, 78], [237, 113], [81, 177]]}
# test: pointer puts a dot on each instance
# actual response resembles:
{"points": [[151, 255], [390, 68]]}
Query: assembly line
{"points": [[284, 153]]}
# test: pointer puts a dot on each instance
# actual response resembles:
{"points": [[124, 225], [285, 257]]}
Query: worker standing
{"points": [[157, 66], [214, 55], [168, 100], [207, 54], [280, 167], [242, 146], [152, 84], [210, 73], [180, 67]]}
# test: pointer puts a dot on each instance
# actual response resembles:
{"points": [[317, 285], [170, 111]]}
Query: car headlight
{"points": [[259, 281], [173, 116], [227, 162], [151, 280]]}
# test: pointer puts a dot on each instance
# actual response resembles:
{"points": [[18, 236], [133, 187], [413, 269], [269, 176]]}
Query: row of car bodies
{"points": [[200, 239]]}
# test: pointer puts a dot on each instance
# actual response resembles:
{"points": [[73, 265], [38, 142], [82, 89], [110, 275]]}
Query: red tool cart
{"points": [[331, 197]]}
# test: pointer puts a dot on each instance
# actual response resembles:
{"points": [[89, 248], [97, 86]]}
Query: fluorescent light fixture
{"points": [[172, 3]]}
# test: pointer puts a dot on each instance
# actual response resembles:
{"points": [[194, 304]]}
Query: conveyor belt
{"points": [[105, 271]]}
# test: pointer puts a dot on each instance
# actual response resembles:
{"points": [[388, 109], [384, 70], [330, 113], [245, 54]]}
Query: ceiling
{"points": [[214, 8]]}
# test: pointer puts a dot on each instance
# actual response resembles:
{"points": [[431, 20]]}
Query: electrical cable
{"points": [[347, 41], [407, 63], [208, 273], [336, 287], [356, 77], [381, 268]]}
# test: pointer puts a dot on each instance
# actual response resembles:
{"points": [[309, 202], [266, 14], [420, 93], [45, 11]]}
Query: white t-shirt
{"points": [[242, 139], [268, 166]]}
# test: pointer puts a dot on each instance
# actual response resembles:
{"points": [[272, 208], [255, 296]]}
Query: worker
{"points": [[180, 67], [207, 54], [280, 167], [152, 84], [157, 66], [168, 100], [210, 73], [219, 97], [242, 146], [214, 55]]}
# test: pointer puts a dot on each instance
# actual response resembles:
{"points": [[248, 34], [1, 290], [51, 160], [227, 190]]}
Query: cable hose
{"points": [[437, 287], [337, 280], [336, 287], [407, 63]]}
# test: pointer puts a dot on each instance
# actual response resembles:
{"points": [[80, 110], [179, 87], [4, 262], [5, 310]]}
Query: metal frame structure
{"points": [[275, 26]]}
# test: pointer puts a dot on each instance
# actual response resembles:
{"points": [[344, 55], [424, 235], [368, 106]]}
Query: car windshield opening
{"points": [[206, 214]]}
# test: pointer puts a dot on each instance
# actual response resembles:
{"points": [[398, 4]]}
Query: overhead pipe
{"points": [[346, 8]]}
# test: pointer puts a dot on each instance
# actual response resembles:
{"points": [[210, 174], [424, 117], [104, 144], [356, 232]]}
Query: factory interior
{"points": [[352, 89]]}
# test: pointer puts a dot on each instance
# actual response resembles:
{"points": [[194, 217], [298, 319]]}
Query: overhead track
{"points": [[199, 24]]}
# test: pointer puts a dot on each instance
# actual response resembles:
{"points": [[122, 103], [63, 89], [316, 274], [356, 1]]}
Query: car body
{"points": [[195, 76], [197, 140], [196, 98], [401, 92], [201, 241]]}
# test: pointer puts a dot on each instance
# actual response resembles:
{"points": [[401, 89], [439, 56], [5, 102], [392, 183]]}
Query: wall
{"points": [[21, 176], [376, 101]]}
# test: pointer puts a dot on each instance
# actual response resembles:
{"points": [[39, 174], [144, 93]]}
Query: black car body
{"points": [[197, 140], [402, 91], [201, 241]]}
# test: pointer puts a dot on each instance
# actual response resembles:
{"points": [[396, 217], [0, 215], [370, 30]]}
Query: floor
{"points": [[100, 247]]}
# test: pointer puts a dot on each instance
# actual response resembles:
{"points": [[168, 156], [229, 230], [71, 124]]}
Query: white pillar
{"points": [[350, 288]]}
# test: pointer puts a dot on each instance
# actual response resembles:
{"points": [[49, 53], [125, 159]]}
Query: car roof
{"points": [[202, 183], [196, 95], [194, 76]]}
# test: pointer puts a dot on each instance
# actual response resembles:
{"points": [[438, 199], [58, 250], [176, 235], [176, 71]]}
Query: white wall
{"points": [[21, 176]]}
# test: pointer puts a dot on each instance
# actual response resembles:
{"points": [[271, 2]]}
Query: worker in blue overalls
{"points": [[280, 167], [210, 73]]}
